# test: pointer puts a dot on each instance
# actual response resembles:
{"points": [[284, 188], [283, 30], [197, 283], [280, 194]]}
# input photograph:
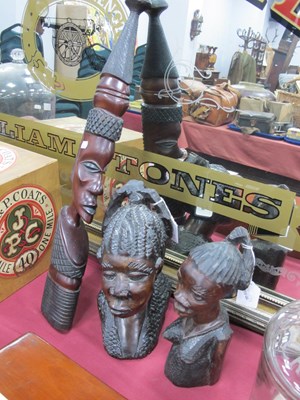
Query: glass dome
{"points": [[20, 94], [282, 347], [278, 376]]}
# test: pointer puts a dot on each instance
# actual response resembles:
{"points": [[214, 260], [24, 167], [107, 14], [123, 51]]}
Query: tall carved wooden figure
{"points": [[103, 128], [161, 112], [135, 294], [200, 336]]}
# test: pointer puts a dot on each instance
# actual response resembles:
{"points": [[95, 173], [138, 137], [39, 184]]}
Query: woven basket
{"points": [[294, 99]]}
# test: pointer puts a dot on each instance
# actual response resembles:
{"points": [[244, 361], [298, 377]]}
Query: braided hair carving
{"points": [[137, 223], [222, 262]]}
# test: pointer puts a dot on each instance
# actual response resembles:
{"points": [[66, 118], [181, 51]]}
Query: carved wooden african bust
{"points": [[200, 336], [135, 293]]}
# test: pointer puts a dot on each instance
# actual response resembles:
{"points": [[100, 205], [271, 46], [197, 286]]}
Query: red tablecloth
{"points": [[137, 379], [276, 156], [133, 121]]}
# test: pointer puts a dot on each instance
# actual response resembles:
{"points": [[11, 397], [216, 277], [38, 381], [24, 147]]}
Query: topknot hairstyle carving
{"points": [[222, 262], [141, 227]]}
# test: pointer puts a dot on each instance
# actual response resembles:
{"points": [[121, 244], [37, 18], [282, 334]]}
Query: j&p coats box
{"points": [[30, 201]]}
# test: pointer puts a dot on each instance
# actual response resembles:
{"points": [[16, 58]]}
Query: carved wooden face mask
{"points": [[127, 283], [92, 159]]}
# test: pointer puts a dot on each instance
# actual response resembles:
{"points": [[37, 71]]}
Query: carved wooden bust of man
{"points": [[135, 294], [200, 336]]}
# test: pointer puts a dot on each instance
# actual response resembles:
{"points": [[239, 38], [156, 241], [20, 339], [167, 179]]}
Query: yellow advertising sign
{"points": [[277, 215], [50, 141], [226, 194], [292, 238]]}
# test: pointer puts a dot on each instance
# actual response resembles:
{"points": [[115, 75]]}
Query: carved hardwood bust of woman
{"points": [[200, 336], [135, 294]]}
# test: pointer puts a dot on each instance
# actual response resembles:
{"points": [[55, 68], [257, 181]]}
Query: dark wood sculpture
{"points": [[135, 293], [161, 119], [200, 336], [269, 257], [161, 111], [161, 114], [103, 128]]}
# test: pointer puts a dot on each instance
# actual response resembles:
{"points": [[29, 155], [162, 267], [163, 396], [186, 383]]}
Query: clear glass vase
{"points": [[278, 376]]}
